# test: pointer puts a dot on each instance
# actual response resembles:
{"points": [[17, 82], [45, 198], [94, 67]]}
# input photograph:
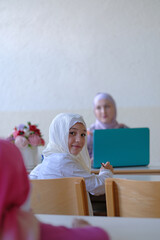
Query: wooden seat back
{"points": [[132, 198], [65, 196]]}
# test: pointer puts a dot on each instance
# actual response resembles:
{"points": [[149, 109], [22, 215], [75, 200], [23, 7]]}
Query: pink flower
{"points": [[18, 133], [34, 140], [27, 136], [15, 134], [21, 142]]}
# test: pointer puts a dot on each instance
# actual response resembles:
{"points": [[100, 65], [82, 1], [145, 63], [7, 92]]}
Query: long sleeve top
{"points": [[50, 232], [62, 165]]}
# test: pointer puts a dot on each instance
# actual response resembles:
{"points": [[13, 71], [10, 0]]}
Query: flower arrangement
{"points": [[27, 136]]}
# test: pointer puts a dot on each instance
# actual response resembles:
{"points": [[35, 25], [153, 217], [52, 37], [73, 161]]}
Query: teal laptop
{"points": [[122, 147]]}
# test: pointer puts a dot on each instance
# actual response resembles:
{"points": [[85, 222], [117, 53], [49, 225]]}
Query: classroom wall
{"points": [[55, 55]]}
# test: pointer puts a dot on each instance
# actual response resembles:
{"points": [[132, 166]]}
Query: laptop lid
{"points": [[122, 147]]}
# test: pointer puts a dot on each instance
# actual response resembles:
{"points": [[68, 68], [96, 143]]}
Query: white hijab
{"points": [[58, 138]]}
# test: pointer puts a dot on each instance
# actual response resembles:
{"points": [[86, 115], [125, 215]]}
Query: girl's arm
{"points": [[80, 231]]}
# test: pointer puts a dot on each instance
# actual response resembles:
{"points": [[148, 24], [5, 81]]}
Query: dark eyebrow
{"points": [[78, 129]]}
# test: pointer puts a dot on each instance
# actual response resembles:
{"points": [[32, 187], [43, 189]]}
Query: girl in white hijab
{"points": [[66, 154]]}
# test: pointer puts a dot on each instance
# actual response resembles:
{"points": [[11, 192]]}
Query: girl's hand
{"points": [[107, 165], [77, 223], [121, 125], [89, 133]]}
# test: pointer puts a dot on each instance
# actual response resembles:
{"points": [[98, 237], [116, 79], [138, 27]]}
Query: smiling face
{"points": [[76, 138], [104, 111]]}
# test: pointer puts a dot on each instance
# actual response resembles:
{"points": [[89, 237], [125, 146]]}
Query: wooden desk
{"points": [[140, 177], [117, 227], [150, 169]]}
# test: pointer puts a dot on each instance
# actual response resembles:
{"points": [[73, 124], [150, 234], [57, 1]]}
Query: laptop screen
{"points": [[122, 147]]}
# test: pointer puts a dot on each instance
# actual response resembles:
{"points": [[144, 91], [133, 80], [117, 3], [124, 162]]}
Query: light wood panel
{"points": [[65, 196]]}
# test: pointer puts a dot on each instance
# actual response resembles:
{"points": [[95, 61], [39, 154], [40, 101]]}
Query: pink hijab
{"points": [[114, 123], [14, 189]]}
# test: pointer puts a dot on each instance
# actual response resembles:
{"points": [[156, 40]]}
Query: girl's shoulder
{"points": [[58, 157], [122, 125]]}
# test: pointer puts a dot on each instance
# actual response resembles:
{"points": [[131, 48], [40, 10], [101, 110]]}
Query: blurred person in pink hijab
{"points": [[106, 113], [17, 222]]}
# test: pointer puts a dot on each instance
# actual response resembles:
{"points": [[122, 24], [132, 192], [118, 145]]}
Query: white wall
{"points": [[55, 55]]}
